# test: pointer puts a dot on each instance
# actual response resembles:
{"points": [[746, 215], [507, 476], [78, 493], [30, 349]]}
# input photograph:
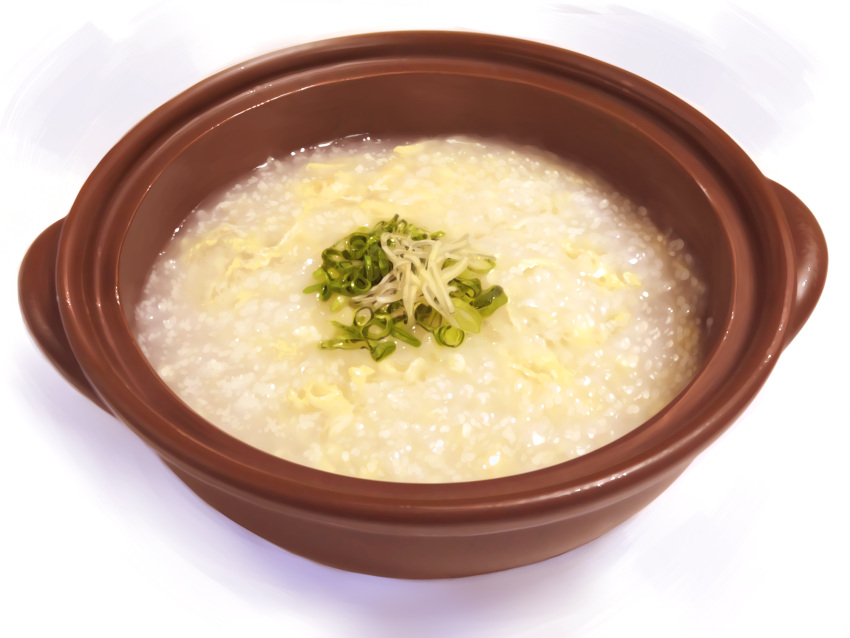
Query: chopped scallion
{"points": [[397, 276]]}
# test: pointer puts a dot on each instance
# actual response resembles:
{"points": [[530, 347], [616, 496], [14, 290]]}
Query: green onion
{"points": [[363, 317], [378, 328], [490, 300], [338, 303], [427, 317], [481, 265], [449, 336], [466, 317], [403, 335], [382, 350], [379, 272], [467, 288]]}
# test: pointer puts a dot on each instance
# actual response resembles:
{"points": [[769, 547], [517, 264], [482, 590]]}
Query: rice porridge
{"points": [[599, 326]]}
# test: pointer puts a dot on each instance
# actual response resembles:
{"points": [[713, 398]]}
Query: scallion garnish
{"points": [[397, 276], [449, 336]]}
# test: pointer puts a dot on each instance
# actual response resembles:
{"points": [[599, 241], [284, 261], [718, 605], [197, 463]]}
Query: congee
{"points": [[451, 309]]}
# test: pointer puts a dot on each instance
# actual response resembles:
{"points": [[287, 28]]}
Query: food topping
{"points": [[398, 276]]}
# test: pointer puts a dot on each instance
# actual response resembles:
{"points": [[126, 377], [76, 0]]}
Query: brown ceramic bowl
{"points": [[763, 252]]}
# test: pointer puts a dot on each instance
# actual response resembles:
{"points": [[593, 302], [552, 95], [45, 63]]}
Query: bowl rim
{"points": [[87, 311]]}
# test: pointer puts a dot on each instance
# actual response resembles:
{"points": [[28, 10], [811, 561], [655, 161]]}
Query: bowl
{"points": [[763, 253]]}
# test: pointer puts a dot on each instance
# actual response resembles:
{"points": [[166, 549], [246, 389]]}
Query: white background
{"points": [[98, 536]]}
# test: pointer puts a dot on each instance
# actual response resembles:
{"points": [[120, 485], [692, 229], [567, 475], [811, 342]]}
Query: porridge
{"points": [[586, 321]]}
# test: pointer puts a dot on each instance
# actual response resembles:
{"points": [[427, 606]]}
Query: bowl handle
{"points": [[810, 255], [40, 309]]}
